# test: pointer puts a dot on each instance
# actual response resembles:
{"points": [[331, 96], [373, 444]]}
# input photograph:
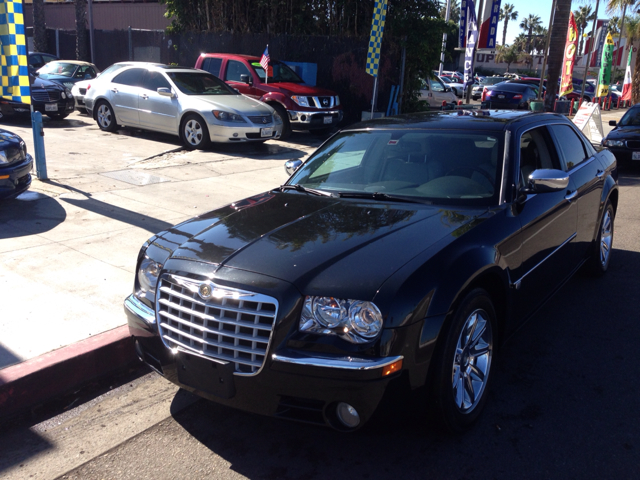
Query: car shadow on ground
{"points": [[31, 213], [562, 398], [25, 122]]}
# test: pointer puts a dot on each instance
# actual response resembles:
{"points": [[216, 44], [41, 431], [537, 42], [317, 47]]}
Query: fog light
{"points": [[347, 415], [235, 134], [303, 118]]}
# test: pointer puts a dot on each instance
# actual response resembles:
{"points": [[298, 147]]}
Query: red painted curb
{"points": [[50, 375]]}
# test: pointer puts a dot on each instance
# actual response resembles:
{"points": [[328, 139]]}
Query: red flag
{"points": [[626, 88], [566, 83]]}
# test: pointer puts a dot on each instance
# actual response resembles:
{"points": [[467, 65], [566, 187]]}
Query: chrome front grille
{"points": [[41, 95], [232, 325], [261, 119]]}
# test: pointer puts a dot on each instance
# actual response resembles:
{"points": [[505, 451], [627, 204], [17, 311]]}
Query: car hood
{"points": [[234, 103], [37, 82], [322, 245], [626, 133], [301, 89]]}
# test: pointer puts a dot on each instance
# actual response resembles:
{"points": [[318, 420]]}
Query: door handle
{"points": [[114, 90], [144, 96], [571, 196], [599, 173]]}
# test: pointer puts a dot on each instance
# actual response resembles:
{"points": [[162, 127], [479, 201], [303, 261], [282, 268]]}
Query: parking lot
{"points": [[562, 404]]}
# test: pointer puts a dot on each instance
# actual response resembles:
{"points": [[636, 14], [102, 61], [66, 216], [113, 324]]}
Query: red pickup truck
{"points": [[301, 107]]}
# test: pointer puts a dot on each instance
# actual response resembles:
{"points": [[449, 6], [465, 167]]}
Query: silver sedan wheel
{"points": [[104, 116], [472, 361], [606, 238], [193, 132]]}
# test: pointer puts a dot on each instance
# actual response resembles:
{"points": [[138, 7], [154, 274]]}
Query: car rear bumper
{"points": [[15, 179]]}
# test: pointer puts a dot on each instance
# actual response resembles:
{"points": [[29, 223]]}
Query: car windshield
{"points": [[430, 166], [57, 69], [631, 118], [278, 72], [196, 83]]}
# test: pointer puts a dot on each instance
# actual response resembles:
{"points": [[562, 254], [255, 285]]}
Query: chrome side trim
{"points": [[517, 283], [340, 363], [140, 310]]}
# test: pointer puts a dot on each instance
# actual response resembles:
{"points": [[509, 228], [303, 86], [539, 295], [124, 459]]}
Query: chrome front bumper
{"points": [[316, 118]]}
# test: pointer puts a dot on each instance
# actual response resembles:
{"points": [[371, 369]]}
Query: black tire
{"points": [[105, 117], [600, 258], [284, 116], [194, 132], [57, 116], [461, 358]]}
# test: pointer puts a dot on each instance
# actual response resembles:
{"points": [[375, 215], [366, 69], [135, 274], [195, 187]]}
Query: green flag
{"points": [[605, 68]]}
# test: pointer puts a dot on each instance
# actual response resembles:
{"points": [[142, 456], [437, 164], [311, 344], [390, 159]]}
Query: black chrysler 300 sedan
{"points": [[400, 254]]}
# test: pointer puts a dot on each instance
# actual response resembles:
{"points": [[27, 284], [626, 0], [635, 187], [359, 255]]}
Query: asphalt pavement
{"points": [[68, 246]]}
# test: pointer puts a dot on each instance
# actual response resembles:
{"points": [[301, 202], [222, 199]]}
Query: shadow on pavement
{"points": [[563, 400], [7, 358], [31, 213]]}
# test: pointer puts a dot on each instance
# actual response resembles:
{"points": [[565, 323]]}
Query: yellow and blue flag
{"points": [[13, 53], [375, 41]]}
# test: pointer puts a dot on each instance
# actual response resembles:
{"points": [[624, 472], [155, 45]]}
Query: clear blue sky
{"points": [[542, 8]]}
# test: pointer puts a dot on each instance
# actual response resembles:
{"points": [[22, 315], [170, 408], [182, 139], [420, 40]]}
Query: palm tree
{"points": [[81, 31], [615, 6], [614, 26], [540, 39], [508, 55], [529, 24], [556, 49], [39, 27], [507, 13], [583, 16]]}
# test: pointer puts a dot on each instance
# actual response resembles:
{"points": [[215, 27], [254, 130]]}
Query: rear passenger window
{"points": [[131, 77], [212, 65], [570, 144]]}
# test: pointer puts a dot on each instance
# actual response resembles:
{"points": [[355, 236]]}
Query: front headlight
{"points": [[302, 101], [353, 320], [148, 273], [69, 94], [337, 100], [3, 157], [228, 117], [614, 143]]}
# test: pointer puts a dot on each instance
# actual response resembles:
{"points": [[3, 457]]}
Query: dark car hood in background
{"points": [[323, 245], [10, 143], [626, 133], [41, 83]]}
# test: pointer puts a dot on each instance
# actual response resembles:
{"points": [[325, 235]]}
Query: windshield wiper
{"points": [[382, 196], [300, 188]]}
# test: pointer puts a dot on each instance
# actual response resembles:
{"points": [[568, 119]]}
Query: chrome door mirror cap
{"points": [[290, 166], [165, 92], [547, 180]]}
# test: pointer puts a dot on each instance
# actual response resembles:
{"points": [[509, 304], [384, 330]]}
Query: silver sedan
{"points": [[193, 104]]}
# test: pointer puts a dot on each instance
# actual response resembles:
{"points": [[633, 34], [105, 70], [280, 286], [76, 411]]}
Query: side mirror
{"points": [[613, 123], [165, 92], [290, 166], [447, 89], [547, 180], [245, 78]]}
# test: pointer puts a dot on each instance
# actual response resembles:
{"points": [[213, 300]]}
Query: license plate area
{"points": [[328, 120], [635, 156], [51, 107], [500, 96], [206, 375], [266, 132]]}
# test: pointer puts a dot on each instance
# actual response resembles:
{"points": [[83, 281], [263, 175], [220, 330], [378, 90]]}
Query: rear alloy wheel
{"points": [[105, 117], [194, 132], [463, 367], [601, 256]]}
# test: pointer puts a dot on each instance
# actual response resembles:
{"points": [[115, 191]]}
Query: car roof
{"points": [[237, 55], [452, 120], [73, 62]]}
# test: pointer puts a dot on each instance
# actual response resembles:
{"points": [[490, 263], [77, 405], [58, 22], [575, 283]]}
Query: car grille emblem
{"points": [[325, 102], [264, 119], [205, 291]]}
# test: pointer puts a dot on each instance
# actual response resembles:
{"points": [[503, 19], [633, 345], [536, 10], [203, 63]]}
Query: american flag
{"points": [[264, 61]]}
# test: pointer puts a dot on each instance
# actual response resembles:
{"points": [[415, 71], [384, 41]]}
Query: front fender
{"points": [[277, 97]]}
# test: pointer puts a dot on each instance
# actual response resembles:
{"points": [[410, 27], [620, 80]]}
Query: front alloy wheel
{"points": [[472, 361], [194, 133]]}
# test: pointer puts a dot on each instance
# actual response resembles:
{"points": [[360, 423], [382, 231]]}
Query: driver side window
{"points": [[536, 152], [437, 86], [234, 70]]}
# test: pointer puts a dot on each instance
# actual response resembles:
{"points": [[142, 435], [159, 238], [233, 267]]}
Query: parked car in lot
{"points": [[15, 165], [508, 95], [195, 105], [47, 97], [624, 139], [299, 106], [434, 92], [476, 93], [456, 86], [67, 72], [35, 60], [399, 255]]}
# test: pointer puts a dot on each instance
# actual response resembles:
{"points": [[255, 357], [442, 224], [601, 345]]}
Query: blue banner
{"points": [[462, 32]]}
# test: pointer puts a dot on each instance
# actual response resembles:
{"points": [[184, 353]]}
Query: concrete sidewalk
{"points": [[68, 247]]}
